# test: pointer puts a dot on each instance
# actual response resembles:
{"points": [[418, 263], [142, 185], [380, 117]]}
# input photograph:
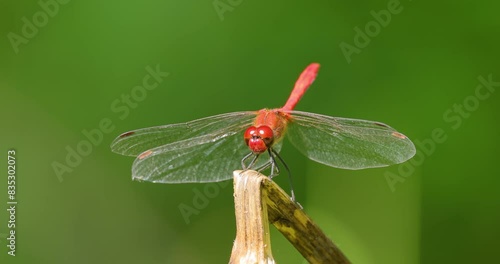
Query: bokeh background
{"points": [[74, 67]]}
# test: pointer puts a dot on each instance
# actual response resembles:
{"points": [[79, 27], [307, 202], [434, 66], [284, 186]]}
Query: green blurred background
{"points": [[63, 76]]}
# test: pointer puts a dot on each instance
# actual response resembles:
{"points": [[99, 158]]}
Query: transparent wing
{"points": [[135, 142], [203, 150], [348, 143], [205, 159]]}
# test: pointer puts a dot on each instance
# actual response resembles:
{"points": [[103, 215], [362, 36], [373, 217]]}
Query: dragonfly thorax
{"points": [[259, 139]]}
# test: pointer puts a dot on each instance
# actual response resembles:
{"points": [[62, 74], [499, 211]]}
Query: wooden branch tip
{"points": [[258, 201], [252, 243]]}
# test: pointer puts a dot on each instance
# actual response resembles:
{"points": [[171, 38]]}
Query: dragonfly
{"points": [[210, 148]]}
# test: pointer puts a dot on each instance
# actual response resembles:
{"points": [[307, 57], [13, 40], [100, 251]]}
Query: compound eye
{"points": [[249, 133], [266, 133]]}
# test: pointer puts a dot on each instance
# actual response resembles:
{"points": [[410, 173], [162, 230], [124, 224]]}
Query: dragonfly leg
{"points": [[274, 167], [250, 165], [275, 170], [263, 167], [287, 169]]}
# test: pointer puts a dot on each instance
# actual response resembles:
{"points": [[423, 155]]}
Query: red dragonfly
{"points": [[209, 149]]}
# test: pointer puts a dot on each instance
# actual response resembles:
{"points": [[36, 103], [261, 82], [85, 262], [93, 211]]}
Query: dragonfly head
{"points": [[259, 139]]}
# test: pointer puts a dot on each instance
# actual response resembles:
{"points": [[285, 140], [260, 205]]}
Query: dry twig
{"points": [[259, 200]]}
